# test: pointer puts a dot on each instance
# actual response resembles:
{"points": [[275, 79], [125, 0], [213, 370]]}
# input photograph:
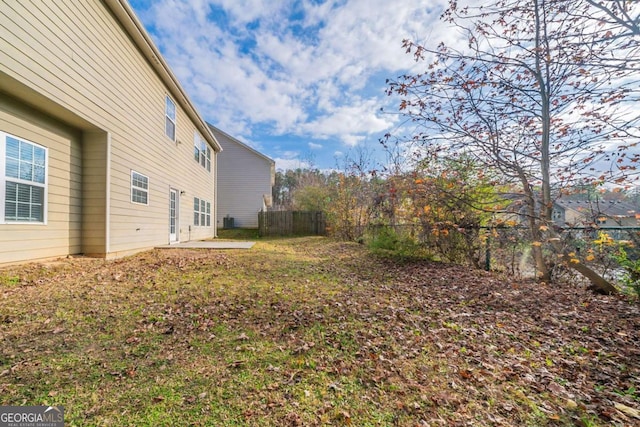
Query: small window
{"points": [[139, 188], [24, 180], [170, 118], [201, 151], [196, 147]]}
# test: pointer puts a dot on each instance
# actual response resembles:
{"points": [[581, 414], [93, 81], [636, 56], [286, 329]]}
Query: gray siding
{"points": [[94, 193], [244, 178]]}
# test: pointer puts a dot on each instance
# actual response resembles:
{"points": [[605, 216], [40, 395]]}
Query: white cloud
{"points": [[352, 140], [315, 146], [284, 164], [320, 76], [246, 11], [349, 123]]}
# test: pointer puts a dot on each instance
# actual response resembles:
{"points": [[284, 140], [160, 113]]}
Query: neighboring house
{"points": [[97, 136], [616, 218], [602, 213], [245, 180]]}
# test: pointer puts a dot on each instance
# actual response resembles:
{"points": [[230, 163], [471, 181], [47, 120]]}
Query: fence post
{"points": [[487, 257]]}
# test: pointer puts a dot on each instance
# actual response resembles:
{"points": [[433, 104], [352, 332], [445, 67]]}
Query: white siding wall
{"points": [[77, 54], [244, 177]]}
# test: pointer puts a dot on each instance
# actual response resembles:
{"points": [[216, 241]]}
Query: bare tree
{"points": [[530, 96]]}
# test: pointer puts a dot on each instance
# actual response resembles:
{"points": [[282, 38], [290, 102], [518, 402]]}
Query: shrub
{"points": [[631, 267], [385, 240]]}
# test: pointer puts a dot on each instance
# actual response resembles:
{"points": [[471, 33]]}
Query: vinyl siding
{"points": [[94, 193], [61, 235], [244, 177], [77, 54]]}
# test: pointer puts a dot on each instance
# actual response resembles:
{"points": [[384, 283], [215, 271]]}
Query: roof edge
{"points": [[237, 141], [130, 22]]}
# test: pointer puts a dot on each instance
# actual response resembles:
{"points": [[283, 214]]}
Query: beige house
{"points": [[101, 151], [245, 180]]}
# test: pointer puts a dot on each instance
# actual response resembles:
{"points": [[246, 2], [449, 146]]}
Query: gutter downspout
{"points": [[215, 194]]}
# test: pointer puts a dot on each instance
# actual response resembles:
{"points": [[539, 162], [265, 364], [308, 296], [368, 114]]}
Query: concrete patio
{"points": [[209, 244]]}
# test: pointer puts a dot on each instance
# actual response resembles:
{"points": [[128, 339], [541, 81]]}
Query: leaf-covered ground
{"points": [[308, 331]]}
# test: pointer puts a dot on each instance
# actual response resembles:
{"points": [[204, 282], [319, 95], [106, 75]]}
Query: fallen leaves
{"points": [[312, 332], [631, 412]]}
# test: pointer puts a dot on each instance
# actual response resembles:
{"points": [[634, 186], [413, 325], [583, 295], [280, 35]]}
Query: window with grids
{"points": [[201, 151], [139, 188], [170, 118], [201, 212], [24, 175]]}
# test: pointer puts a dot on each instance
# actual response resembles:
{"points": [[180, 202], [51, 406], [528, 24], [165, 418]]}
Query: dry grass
{"points": [[308, 331]]}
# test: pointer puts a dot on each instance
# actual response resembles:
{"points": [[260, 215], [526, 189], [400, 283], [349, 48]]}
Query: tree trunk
{"points": [[544, 274], [598, 283], [543, 77], [543, 271]]}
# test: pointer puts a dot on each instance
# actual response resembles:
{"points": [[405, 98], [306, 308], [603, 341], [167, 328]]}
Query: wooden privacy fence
{"points": [[287, 223]]}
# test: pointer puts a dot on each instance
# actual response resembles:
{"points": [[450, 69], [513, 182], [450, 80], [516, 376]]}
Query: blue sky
{"points": [[299, 81]]}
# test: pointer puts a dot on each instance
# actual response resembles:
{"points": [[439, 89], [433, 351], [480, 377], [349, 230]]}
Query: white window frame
{"points": [[168, 118], [4, 179], [201, 213], [201, 151], [139, 188], [196, 212]]}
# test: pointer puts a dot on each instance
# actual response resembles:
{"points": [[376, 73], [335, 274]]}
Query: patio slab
{"points": [[209, 244]]}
